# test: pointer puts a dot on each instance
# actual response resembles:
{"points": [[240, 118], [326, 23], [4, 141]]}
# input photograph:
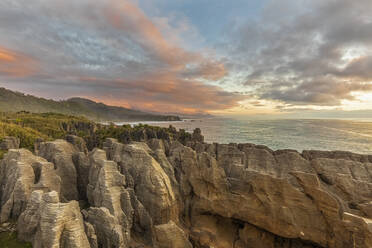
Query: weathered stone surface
{"points": [[280, 192], [197, 136], [171, 236], [108, 231], [214, 231], [61, 153], [78, 142], [82, 166], [151, 184], [165, 194], [21, 172], [48, 223], [9, 143], [106, 190]]}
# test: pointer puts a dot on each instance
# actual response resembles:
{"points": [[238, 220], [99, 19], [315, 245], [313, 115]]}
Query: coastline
{"points": [[296, 134]]}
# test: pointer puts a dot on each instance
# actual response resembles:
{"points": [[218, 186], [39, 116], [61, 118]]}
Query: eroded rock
{"points": [[48, 223], [151, 184], [21, 172], [9, 143], [60, 153], [164, 194]]}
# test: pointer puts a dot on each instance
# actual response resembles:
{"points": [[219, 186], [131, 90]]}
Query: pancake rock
{"points": [[161, 193], [61, 153], [9, 143], [48, 223], [21, 172]]}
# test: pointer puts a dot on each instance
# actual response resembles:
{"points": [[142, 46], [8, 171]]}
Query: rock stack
{"points": [[9, 143], [162, 194]]}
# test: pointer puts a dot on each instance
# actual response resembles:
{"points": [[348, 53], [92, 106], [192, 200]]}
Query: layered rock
{"points": [[282, 192], [48, 223], [20, 173], [151, 184], [9, 143], [78, 142], [171, 236], [164, 194], [111, 201], [61, 153]]}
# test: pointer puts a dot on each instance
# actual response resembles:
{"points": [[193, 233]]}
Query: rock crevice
{"points": [[162, 194]]}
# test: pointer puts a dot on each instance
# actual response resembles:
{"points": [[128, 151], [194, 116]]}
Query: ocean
{"points": [[308, 134]]}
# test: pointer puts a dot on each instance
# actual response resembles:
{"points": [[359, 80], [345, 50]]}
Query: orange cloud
{"points": [[163, 93], [6, 56], [112, 52], [126, 16], [14, 64]]}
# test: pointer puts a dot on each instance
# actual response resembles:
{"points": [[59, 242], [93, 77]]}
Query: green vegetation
{"points": [[2, 153], [15, 101], [125, 134], [31, 127], [46, 126], [9, 240]]}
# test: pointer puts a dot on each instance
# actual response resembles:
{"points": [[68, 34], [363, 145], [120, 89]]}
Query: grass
{"points": [[30, 127], [9, 240]]}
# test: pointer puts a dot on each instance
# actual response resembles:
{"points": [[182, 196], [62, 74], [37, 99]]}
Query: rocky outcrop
{"points": [[78, 143], [20, 173], [106, 191], [9, 143], [151, 184], [171, 236], [61, 153], [163, 194], [48, 223], [285, 193]]}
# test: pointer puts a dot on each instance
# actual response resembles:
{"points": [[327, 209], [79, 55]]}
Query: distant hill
{"points": [[11, 101]]}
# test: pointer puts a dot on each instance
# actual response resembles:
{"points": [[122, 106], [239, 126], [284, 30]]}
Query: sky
{"points": [[241, 57]]}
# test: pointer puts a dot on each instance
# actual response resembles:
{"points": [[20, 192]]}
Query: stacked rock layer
{"points": [[164, 194]]}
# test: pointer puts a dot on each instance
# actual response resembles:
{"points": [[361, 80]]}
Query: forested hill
{"points": [[11, 101]]}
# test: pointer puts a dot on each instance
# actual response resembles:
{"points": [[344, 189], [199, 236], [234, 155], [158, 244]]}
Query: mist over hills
{"points": [[11, 101]]}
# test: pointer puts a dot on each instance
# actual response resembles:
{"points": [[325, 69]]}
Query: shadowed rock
{"points": [[61, 153], [48, 223], [21, 172], [163, 194]]}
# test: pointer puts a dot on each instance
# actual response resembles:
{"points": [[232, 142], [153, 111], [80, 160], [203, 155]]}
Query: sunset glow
{"points": [[245, 57]]}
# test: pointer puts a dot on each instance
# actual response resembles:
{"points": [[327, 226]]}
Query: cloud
{"points": [[107, 50], [324, 92], [16, 65], [307, 52]]}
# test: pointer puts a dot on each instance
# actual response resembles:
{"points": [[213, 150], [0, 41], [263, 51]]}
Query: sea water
{"points": [[309, 134]]}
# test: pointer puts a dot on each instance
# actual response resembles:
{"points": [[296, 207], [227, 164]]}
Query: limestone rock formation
{"points": [[21, 172], [197, 136], [48, 223], [9, 143], [106, 190], [162, 194], [78, 142], [171, 236], [61, 153], [151, 184], [282, 192], [107, 230]]}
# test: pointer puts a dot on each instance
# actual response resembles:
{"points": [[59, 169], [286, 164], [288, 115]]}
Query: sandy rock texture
{"points": [[162, 194]]}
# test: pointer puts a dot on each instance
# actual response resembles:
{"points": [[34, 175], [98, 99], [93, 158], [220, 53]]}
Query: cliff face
{"points": [[163, 194]]}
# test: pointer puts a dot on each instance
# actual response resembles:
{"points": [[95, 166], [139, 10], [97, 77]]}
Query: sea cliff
{"points": [[166, 193]]}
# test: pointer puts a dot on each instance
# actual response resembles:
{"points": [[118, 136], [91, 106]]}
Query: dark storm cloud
{"points": [[307, 52], [108, 50]]}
